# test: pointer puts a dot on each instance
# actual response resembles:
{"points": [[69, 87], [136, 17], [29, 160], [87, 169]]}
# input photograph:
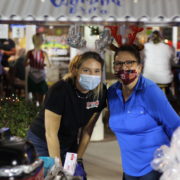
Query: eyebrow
{"points": [[125, 60], [90, 68]]}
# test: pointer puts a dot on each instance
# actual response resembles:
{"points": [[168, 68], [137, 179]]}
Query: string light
{"points": [[11, 99]]}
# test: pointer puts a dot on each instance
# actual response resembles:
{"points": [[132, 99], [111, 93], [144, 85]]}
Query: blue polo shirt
{"points": [[141, 124]]}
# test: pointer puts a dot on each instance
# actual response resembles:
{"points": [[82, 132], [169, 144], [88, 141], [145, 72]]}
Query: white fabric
{"points": [[157, 62], [37, 75]]}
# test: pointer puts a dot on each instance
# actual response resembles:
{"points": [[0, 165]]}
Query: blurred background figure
{"points": [[158, 60], [1, 77], [37, 59], [7, 49], [19, 65], [18, 73]]}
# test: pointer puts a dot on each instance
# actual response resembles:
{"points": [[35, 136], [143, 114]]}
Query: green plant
{"points": [[17, 114]]}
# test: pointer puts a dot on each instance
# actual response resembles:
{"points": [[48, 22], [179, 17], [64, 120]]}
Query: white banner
{"points": [[91, 10], [3, 31], [17, 31]]}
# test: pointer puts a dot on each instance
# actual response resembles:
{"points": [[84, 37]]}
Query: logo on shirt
{"points": [[6, 43], [94, 104]]}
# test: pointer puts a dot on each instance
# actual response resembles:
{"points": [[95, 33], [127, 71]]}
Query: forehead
{"points": [[91, 63], [125, 55]]}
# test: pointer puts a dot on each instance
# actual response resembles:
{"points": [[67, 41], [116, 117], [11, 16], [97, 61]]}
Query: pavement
{"points": [[102, 160]]}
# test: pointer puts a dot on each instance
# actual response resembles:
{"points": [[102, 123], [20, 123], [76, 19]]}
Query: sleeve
{"points": [[28, 54], [103, 99], [12, 44], [55, 98], [160, 108]]}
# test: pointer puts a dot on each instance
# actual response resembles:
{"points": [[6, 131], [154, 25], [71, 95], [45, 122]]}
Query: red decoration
{"points": [[114, 33], [132, 36]]}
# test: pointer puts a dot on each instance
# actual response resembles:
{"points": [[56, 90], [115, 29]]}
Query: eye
{"points": [[116, 63], [129, 62], [85, 70], [97, 71]]}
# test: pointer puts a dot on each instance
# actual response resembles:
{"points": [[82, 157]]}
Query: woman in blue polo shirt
{"points": [[140, 115]]}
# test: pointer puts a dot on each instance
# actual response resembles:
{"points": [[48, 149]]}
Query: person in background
{"points": [[158, 60], [17, 73], [1, 78], [19, 64], [37, 59], [7, 49], [139, 114], [70, 111]]}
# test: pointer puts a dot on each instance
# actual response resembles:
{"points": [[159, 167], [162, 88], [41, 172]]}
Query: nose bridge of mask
{"points": [[89, 76]]}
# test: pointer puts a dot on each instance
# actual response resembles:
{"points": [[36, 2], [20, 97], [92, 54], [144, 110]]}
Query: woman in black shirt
{"points": [[71, 109]]}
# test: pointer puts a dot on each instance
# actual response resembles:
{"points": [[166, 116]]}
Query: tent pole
{"points": [[175, 37]]}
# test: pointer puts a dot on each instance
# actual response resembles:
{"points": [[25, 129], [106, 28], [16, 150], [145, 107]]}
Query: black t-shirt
{"points": [[76, 110], [20, 68], [7, 45]]}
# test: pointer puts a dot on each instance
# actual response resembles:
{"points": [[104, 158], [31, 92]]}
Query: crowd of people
{"points": [[140, 115], [13, 69]]}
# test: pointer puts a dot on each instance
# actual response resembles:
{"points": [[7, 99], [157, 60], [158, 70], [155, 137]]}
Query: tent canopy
{"points": [[151, 11]]}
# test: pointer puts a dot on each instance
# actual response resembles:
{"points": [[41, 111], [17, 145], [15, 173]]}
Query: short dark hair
{"points": [[156, 37], [133, 49]]}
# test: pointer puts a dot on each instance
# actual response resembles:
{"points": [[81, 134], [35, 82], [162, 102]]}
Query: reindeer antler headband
{"points": [[118, 37]]}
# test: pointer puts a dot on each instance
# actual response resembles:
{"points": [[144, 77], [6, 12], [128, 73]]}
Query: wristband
{"points": [[80, 160]]}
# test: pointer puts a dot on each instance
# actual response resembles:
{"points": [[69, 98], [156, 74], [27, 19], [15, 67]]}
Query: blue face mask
{"points": [[89, 82]]}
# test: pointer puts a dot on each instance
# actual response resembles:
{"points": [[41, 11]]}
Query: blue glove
{"points": [[80, 170], [48, 163]]}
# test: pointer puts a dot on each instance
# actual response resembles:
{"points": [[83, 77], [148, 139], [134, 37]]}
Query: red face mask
{"points": [[126, 76]]}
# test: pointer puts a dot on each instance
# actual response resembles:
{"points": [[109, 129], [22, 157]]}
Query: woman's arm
{"points": [[160, 108], [52, 125], [47, 61], [86, 134], [9, 52]]}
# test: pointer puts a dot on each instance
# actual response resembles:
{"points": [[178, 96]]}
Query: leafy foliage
{"points": [[17, 114]]}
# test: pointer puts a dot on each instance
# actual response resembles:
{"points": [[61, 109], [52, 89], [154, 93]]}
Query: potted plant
{"points": [[17, 114]]}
